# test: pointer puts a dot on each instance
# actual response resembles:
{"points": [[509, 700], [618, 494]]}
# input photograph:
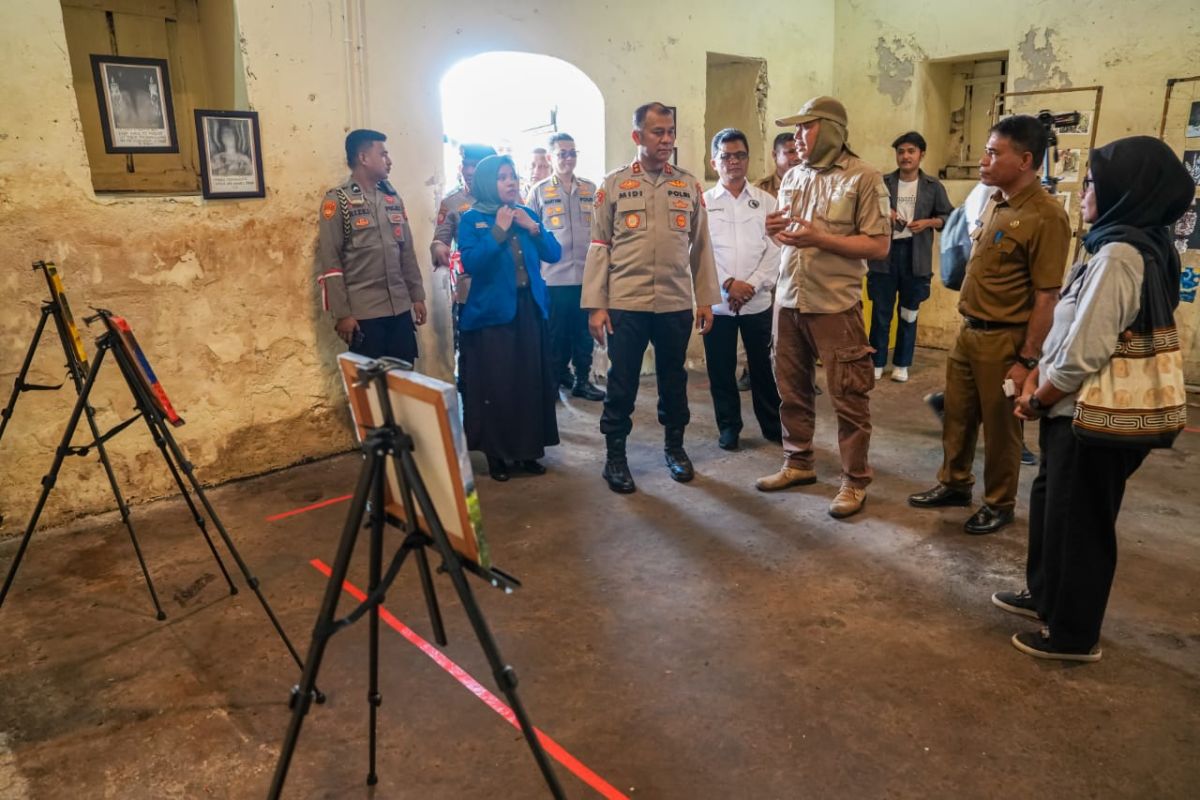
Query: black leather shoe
{"points": [[940, 496], [587, 390], [566, 381], [497, 469], [728, 440], [616, 468], [533, 467], [987, 520], [677, 459]]}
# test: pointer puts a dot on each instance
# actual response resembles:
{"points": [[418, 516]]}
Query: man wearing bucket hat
{"points": [[831, 217]]}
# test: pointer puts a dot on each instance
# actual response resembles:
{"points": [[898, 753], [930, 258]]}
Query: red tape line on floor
{"points": [[552, 748], [313, 507]]}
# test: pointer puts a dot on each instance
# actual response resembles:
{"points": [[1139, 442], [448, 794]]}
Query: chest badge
{"points": [[556, 221], [362, 222], [633, 221], [1016, 223], [630, 184], [754, 203], [679, 204], [680, 221], [678, 184]]}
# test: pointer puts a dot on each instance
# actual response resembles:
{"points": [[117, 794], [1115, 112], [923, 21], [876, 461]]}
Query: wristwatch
{"points": [[1036, 405], [1028, 363]]}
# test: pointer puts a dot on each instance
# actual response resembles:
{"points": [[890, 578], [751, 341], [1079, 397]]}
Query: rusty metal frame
{"points": [[1162, 126]]}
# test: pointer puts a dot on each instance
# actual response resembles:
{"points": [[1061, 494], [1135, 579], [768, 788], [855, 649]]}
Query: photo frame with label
{"points": [[136, 112], [230, 154]]}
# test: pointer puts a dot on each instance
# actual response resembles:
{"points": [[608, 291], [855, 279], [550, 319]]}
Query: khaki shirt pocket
{"points": [[630, 218], [555, 216], [839, 212]]}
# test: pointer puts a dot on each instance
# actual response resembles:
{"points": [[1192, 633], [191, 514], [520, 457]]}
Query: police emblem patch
{"points": [[633, 221], [441, 216], [556, 221], [362, 222], [599, 198], [398, 231], [630, 184], [680, 221], [678, 184], [328, 209]]}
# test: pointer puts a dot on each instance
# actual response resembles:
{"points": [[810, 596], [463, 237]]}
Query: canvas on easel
{"points": [[129, 344], [427, 410]]}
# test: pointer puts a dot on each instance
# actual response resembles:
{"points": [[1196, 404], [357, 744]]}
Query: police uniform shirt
{"points": [[650, 248], [366, 264], [568, 215], [449, 212], [741, 248], [1022, 247], [847, 199]]}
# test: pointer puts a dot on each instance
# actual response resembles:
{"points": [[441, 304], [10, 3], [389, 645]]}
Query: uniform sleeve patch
{"points": [[328, 209], [599, 198], [441, 215]]}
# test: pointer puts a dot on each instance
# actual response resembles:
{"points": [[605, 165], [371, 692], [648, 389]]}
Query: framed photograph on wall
{"points": [[230, 154], [136, 114]]}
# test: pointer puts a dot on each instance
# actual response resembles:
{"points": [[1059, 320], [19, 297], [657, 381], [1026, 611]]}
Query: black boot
{"points": [[616, 468], [586, 389], [677, 460]]}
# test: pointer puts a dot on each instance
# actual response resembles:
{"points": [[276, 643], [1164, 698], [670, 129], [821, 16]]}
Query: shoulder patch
{"points": [[599, 198], [464, 207], [441, 215], [328, 209]]}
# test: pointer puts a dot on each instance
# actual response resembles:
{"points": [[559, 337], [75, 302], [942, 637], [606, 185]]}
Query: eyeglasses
{"points": [[566, 153], [739, 156], [1086, 184]]}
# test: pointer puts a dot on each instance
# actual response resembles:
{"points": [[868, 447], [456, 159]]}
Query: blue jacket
{"points": [[493, 296]]}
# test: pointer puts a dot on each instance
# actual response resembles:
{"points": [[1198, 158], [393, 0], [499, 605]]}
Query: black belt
{"points": [[988, 325]]}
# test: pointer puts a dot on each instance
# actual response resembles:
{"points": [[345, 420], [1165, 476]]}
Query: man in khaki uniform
{"points": [[1007, 302], [649, 262], [832, 216], [564, 202], [786, 157], [365, 261]]}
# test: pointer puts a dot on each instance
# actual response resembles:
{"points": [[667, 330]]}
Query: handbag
{"points": [[1138, 398]]}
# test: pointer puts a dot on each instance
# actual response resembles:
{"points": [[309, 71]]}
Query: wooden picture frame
{"points": [[230, 150], [137, 114], [427, 410]]}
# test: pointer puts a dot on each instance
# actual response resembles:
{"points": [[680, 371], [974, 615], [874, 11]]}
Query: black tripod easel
{"points": [[57, 309], [150, 413], [384, 444]]}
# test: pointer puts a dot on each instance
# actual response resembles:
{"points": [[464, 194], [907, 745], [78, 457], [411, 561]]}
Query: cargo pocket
{"points": [[853, 370]]}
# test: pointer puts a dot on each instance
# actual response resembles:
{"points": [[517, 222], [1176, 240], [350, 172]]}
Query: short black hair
{"points": [[912, 137], [781, 141], [475, 152], [1026, 132], [728, 135], [359, 140], [561, 136], [639, 114]]}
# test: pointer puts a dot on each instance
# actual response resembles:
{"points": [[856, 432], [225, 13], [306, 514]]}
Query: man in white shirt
{"points": [[747, 268]]}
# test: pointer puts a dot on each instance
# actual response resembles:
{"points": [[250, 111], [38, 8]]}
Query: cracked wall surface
{"points": [[220, 293]]}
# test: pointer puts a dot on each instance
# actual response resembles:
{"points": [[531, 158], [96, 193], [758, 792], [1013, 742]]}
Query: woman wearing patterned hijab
{"points": [[504, 360], [1126, 292]]}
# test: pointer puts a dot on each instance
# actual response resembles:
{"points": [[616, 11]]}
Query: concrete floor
{"points": [[699, 641]]}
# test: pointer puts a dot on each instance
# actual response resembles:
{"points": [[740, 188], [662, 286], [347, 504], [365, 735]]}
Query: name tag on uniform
{"points": [[482, 225]]}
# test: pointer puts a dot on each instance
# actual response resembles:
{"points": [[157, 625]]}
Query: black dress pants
{"points": [[1073, 507], [632, 332], [720, 354], [570, 341]]}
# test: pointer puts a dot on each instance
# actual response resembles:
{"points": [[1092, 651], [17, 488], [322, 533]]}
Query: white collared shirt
{"points": [[743, 251]]}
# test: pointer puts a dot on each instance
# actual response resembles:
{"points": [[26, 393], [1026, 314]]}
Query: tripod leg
{"points": [[302, 695], [505, 676], [124, 509], [19, 381], [197, 517], [431, 601], [374, 699], [48, 481]]}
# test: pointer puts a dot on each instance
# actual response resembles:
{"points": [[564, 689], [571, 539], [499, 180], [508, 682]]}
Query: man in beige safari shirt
{"points": [[832, 216], [649, 262]]}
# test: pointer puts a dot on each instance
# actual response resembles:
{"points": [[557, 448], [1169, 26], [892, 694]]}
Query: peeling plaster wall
{"points": [[1130, 50], [220, 293]]}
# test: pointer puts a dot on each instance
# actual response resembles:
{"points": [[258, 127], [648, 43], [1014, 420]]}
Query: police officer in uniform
{"points": [[649, 262], [564, 201], [365, 261]]}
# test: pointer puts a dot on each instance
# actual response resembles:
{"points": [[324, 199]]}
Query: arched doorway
{"points": [[541, 95]]}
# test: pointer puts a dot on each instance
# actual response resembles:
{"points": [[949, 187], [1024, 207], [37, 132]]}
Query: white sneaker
{"points": [[899, 374], [878, 373]]}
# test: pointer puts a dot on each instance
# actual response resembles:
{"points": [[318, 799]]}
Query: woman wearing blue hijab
{"points": [[504, 359]]}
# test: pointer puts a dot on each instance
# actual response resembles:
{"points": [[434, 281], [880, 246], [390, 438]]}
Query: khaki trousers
{"points": [[975, 371], [840, 341]]}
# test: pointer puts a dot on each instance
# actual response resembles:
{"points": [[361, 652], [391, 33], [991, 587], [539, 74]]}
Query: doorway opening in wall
{"points": [[735, 96], [514, 102], [955, 110]]}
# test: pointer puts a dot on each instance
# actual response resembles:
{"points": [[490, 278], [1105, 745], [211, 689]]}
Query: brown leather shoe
{"points": [[785, 477], [849, 501]]}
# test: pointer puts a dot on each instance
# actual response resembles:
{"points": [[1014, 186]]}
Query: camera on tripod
{"points": [[1053, 123]]}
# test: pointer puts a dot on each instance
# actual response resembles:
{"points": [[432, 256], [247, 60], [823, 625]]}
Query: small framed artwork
{"points": [[1193, 126], [230, 154], [136, 113]]}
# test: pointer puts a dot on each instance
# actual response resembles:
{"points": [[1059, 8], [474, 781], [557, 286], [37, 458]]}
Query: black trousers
{"points": [[1073, 509], [632, 332], [392, 337], [570, 342], [720, 353]]}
